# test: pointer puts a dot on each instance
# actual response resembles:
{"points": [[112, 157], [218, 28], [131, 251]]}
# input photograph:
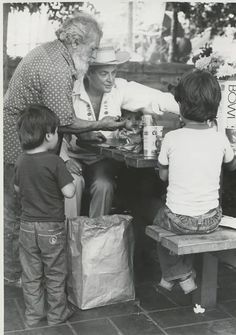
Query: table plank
{"points": [[157, 233], [109, 149], [139, 161], [107, 152], [222, 239]]}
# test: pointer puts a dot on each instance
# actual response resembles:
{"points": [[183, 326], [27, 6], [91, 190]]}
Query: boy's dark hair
{"points": [[33, 125], [199, 95]]}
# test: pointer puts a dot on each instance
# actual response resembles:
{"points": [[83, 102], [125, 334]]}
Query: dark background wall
{"points": [[160, 76]]}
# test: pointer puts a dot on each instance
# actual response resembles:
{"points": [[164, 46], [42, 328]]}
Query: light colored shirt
{"points": [[123, 95], [45, 76], [194, 158], [126, 95]]}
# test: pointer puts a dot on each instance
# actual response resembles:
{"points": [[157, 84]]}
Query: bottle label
{"points": [[150, 141]]}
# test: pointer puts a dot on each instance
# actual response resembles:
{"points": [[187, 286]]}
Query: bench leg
{"points": [[206, 293]]}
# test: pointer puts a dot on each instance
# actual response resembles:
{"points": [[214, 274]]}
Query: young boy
{"points": [[42, 181], [190, 159]]}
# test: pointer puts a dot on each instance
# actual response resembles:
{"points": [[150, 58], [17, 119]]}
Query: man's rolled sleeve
{"points": [[166, 102], [137, 96]]}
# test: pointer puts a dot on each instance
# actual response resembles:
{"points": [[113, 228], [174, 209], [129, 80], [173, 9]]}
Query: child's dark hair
{"points": [[199, 95], [33, 125]]}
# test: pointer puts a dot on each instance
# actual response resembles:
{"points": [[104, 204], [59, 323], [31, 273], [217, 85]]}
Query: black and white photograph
{"points": [[119, 167]]}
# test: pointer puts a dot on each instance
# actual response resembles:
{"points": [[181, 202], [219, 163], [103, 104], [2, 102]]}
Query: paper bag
{"points": [[100, 260]]}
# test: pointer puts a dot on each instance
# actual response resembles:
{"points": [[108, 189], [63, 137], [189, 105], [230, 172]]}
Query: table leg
{"points": [[206, 293]]}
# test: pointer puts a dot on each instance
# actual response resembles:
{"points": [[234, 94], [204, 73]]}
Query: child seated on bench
{"points": [[190, 159]]}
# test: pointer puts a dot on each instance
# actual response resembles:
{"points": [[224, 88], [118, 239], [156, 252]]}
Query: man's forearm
{"points": [[80, 126]]}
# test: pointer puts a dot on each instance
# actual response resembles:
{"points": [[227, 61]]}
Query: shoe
{"points": [[168, 285], [15, 282], [31, 324], [69, 315], [36, 322], [188, 284]]}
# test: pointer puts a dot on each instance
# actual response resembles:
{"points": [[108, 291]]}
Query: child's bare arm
{"points": [[17, 189], [68, 190], [231, 166], [163, 173]]}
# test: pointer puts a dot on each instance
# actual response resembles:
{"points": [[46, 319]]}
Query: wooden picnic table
{"points": [[111, 149]]}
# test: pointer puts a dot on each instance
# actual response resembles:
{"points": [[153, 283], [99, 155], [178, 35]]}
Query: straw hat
{"points": [[106, 55]]}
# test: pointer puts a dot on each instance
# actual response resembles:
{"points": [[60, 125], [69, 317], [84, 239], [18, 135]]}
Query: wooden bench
{"points": [[207, 244]]}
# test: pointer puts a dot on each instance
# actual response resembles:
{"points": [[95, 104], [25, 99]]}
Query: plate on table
{"points": [[112, 143]]}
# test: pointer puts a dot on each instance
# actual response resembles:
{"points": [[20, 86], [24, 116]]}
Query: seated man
{"points": [[102, 94]]}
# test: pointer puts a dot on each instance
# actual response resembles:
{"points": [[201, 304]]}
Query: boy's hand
{"points": [[73, 166]]}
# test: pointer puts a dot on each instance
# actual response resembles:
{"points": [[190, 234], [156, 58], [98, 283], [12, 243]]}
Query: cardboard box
{"points": [[227, 109]]}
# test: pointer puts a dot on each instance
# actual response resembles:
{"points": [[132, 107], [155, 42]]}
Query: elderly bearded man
{"points": [[46, 76]]}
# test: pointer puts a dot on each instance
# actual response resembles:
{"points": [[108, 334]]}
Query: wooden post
{"points": [[173, 33], [6, 11], [130, 25], [206, 294]]}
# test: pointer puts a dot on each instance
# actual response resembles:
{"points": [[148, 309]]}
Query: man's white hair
{"points": [[79, 29]]}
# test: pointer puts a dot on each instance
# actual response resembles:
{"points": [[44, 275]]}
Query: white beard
{"points": [[81, 63]]}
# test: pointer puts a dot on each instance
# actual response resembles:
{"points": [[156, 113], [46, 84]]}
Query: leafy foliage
{"points": [[21, 6], [56, 10], [179, 6], [59, 10], [203, 15], [216, 58], [214, 15]]}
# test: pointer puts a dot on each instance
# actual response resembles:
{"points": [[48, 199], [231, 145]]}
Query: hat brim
{"points": [[121, 57]]}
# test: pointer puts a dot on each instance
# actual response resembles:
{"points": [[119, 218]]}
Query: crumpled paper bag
{"points": [[100, 260], [133, 140]]}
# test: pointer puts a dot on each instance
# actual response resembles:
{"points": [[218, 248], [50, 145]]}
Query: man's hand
{"points": [[73, 166], [111, 123], [92, 136]]}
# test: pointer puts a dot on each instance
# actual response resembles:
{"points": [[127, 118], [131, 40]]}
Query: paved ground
{"points": [[153, 312]]}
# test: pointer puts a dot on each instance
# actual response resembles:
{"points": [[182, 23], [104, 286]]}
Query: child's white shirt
{"points": [[194, 158]]}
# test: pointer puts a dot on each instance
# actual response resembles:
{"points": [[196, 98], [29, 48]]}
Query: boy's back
{"points": [[194, 157], [40, 177]]}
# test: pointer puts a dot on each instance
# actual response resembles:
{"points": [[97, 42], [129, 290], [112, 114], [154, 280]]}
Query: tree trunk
{"points": [[173, 31], [6, 11], [130, 26]]}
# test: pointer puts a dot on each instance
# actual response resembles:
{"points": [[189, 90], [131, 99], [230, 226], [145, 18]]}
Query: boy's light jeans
{"points": [[43, 257], [179, 266]]}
